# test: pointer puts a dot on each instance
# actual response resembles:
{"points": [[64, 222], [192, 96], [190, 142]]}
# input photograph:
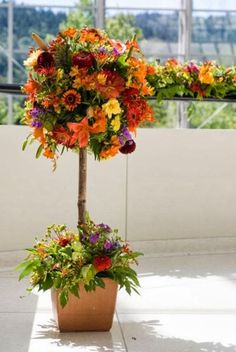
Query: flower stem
{"points": [[82, 185]]}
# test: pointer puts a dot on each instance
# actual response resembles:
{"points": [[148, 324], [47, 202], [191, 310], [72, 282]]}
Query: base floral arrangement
{"points": [[63, 259]]}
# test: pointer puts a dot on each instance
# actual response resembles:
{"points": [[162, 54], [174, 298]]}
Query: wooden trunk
{"points": [[93, 311]]}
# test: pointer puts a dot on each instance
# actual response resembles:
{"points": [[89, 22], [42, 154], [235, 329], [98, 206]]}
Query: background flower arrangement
{"points": [[64, 259], [191, 79], [86, 90]]}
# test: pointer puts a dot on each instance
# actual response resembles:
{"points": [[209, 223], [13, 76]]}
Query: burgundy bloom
{"points": [[192, 68], [128, 147], [102, 262], [45, 61], [83, 60]]}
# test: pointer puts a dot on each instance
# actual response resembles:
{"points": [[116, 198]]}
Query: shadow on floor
{"points": [[89, 341], [143, 336]]}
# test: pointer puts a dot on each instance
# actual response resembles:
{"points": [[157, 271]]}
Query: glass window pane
{"points": [[160, 4], [212, 115], [3, 67], [157, 30], [165, 115], [213, 36], [214, 5]]}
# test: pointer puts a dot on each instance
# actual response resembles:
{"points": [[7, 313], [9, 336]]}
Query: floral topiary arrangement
{"points": [[85, 91]]}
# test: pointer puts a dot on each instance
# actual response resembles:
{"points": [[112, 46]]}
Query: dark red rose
{"points": [[102, 262], [83, 60], [45, 60], [45, 64], [128, 147]]}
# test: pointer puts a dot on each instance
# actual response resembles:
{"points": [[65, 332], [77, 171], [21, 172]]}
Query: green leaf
{"points": [[99, 282], [39, 151], [127, 287], [24, 144], [48, 125], [27, 270], [67, 251], [63, 297], [88, 272], [74, 290], [22, 265], [48, 283], [57, 282]]}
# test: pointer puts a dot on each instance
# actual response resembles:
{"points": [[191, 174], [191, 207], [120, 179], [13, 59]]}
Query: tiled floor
{"points": [[186, 304]]}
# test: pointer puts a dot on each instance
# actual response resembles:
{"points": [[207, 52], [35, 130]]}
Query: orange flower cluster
{"points": [[87, 91]]}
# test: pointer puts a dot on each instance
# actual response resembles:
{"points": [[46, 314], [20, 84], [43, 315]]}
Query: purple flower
{"points": [[124, 136], [116, 244], [105, 227], [115, 52], [36, 123], [35, 112], [94, 238], [102, 50], [108, 245]]}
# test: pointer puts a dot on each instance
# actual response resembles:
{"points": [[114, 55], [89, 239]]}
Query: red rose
{"points": [[128, 147], [102, 262], [83, 60], [45, 63], [45, 59]]}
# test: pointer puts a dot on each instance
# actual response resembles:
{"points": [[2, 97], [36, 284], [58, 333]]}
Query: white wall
{"points": [[180, 184]]}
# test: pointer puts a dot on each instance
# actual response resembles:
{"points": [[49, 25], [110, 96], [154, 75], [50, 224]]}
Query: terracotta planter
{"points": [[93, 311]]}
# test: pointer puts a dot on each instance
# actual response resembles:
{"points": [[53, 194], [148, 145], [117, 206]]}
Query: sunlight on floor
{"points": [[186, 304]]}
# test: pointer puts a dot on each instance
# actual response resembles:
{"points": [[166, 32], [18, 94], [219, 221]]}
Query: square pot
{"points": [[93, 311]]}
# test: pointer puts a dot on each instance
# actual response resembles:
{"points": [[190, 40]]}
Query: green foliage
{"points": [[122, 27], [3, 110], [81, 17], [64, 259]]}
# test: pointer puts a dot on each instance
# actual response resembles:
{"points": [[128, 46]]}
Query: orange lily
{"points": [[80, 132], [38, 134]]}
